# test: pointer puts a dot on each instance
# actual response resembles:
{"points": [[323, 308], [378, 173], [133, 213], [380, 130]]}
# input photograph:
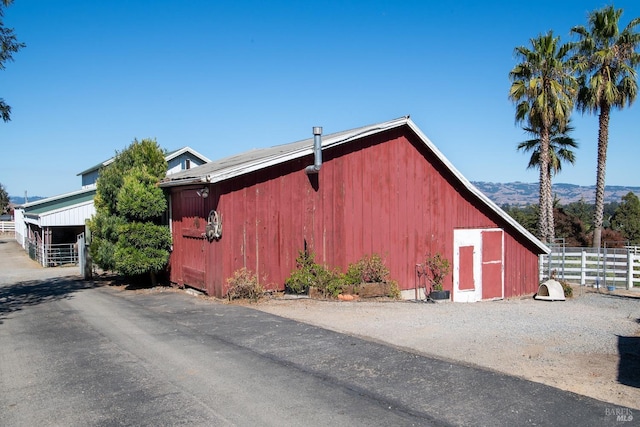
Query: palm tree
{"points": [[560, 148], [543, 88], [606, 58]]}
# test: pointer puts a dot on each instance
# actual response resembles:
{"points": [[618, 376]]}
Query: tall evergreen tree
{"points": [[606, 58], [543, 89], [127, 236]]}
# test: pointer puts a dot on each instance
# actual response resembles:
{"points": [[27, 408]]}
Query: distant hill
{"points": [[523, 194], [16, 200]]}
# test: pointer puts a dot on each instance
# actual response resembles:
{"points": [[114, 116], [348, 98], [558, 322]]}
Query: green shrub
{"points": [[394, 292], [373, 270], [437, 268], [244, 285], [331, 283], [309, 274], [369, 269], [303, 276], [568, 290], [352, 275]]}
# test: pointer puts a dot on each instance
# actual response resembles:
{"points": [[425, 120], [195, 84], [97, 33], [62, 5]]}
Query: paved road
{"points": [[76, 354]]}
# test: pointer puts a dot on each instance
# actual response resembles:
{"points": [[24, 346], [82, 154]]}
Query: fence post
{"points": [[583, 266], [604, 266], [630, 268], [540, 267]]}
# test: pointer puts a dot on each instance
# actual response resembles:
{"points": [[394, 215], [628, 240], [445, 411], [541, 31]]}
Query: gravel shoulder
{"points": [[589, 344]]}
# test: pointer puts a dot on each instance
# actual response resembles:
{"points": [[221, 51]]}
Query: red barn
{"points": [[383, 189]]}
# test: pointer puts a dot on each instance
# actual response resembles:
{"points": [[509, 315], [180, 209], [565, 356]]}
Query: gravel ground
{"points": [[574, 345]]}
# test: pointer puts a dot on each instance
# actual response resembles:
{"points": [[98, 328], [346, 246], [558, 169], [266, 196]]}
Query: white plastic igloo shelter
{"points": [[551, 290]]}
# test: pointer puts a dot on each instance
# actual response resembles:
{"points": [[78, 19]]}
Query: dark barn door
{"points": [[193, 242]]}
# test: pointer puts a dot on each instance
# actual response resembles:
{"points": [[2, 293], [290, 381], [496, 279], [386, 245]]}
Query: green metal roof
{"points": [[61, 202]]}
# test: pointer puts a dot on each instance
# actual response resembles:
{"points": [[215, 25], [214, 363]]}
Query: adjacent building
{"points": [[49, 228]]}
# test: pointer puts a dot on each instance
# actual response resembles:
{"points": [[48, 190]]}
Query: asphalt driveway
{"points": [[76, 353]]}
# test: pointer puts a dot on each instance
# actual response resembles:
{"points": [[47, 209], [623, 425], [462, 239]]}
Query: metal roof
{"points": [[56, 203], [58, 200], [257, 159], [170, 155]]}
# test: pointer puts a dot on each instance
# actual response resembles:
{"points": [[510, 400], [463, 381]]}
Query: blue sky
{"points": [[225, 77]]}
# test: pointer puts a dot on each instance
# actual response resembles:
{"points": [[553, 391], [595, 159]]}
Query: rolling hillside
{"points": [[522, 194]]}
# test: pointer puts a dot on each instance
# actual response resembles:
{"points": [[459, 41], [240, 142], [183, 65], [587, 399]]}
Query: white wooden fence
{"points": [[618, 267], [7, 227]]}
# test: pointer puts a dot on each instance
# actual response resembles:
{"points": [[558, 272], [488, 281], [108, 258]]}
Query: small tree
{"points": [[4, 199], [582, 211], [126, 232], [570, 228], [626, 218], [437, 268]]}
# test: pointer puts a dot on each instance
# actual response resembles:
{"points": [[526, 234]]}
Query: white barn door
{"points": [[467, 274], [474, 264]]}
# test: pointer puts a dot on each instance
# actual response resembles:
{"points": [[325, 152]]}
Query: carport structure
{"points": [[48, 229]]}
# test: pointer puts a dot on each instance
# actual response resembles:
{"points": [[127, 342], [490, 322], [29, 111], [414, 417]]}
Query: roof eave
{"points": [[272, 160], [187, 149], [54, 198]]}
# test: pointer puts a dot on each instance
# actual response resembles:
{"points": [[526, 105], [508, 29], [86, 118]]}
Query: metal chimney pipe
{"points": [[317, 151]]}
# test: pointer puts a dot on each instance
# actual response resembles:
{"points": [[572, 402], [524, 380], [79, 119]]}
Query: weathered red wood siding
{"points": [[384, 194]]}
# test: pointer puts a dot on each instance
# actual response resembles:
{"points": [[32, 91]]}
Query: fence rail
{"points": [[7, 227], [53, 255], [61, 254], [588, 266]]}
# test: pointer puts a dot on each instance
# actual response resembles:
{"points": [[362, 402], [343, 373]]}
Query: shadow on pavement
{"points": [[130, 283], [629, 365], [34, 292]]}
